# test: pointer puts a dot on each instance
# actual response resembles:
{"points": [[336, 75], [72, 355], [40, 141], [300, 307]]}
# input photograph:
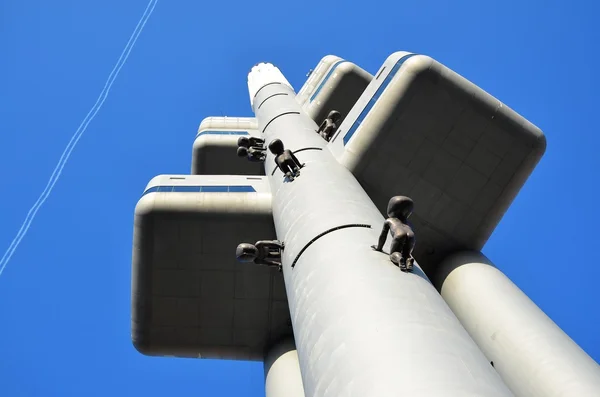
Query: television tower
{"points": [[303, 203]]}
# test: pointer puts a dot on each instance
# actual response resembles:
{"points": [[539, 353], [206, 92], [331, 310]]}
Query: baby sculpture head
{"points": [[242, 151], [334, 116], [243, 141], [400, 207], [276, 147], [246, 252]]}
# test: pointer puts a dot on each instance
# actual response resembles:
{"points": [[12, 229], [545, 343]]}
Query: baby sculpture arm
{"points": [[295, 159], [382, 236]]}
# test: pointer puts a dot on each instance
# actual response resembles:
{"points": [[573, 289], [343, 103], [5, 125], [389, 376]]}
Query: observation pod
{"points": [[315, 77], [335, 84], [216, 143], [190, 297], [422, 130]]}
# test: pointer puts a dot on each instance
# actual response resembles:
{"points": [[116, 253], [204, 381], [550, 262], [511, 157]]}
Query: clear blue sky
{"points": [[65, 295]]}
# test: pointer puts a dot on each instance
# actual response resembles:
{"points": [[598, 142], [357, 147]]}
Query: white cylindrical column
{"points": [[282, 371], [362, 327], [531, 353]]}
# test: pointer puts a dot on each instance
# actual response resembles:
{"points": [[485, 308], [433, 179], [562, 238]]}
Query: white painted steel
{"points": [[362, 327], [261, 75], [531, 353]]}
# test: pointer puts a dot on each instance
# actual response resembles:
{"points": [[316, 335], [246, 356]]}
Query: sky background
{"points": [[65, 294]]}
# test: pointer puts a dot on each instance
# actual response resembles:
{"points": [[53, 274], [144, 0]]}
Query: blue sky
{"points": [[65, 294]]}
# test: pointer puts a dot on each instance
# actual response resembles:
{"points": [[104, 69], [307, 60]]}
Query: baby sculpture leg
{"points": [[401, 249]]}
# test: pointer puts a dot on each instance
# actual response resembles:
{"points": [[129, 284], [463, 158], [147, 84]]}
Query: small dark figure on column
{"points": [[251, 147], [330, 125], [253, 154], [403, 238], [252, 141], [285, 160], [264, 252]]}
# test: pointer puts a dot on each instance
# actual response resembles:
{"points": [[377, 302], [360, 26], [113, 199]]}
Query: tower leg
{"points": [[282, 371], [530, 352]]}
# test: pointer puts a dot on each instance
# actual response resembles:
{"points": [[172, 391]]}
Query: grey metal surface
{"points": [[282, 371], [215, 145], [362, 327], [424, 131], [190, 297], [531, 353]]}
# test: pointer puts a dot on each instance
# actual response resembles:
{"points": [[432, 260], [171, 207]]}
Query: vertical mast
{"points": [[362, 327]]}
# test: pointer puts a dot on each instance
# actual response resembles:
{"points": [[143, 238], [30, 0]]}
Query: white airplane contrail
{"points": [[77, 135]]}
